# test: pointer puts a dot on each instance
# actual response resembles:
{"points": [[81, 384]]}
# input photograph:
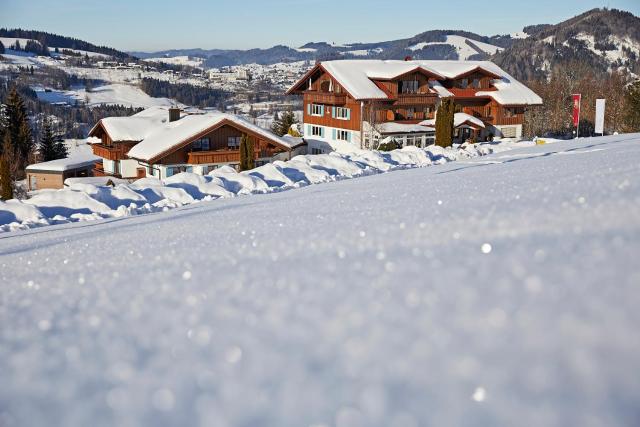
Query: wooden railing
{"points": [[482, 113], [98, 170], [224, 156], [116, 152], [416, 99], [468, 92], [326, 97]]}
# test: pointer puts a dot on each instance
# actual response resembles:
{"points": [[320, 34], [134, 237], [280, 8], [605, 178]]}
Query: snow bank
{"points": [[86, 200]]}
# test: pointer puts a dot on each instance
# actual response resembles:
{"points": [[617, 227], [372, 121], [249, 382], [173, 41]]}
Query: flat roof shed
{"points": [[52, 174]]}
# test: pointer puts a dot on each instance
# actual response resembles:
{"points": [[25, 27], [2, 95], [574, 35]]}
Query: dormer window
{"points": [[408, 86], [476, 83], [463, 83]]}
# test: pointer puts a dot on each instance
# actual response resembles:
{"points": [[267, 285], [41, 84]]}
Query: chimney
{"points": [[174, 114]]}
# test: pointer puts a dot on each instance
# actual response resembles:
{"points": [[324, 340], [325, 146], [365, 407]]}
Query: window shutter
{"points": [[322, 110], [348, 113], [333, 112], [348, 136], [309, 109], [322, 132], [333, 133], [308, 130]]}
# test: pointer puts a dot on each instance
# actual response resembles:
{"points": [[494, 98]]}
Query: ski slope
{"points": [[500, 290]]}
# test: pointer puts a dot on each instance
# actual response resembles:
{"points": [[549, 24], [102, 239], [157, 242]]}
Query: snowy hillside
{"points": [[465, 47], [601, 39], [499, 290]]}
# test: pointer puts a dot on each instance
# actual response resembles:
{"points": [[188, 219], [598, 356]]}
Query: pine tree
{"points": [[6, 183], [17, 126], [247, 161], [1, 48], [632, 98], [282, 123], [444, 122], [50, 147]]}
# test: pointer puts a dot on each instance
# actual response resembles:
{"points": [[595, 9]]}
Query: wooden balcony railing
{"points": [[326, 98], [224, 156], [416, 99], [110, 152], [468, 92], [98, 170]]}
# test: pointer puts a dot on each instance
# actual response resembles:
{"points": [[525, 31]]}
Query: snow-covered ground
{"points": [[498, 290], [192, 61], [120, 94], [82, 202]]}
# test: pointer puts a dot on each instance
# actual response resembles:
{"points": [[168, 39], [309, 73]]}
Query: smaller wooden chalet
{"points": [[52, 174], [161, 142]]}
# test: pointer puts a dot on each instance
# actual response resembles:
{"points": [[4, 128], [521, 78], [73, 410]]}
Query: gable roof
{"points": [[133, 128], [459, 119], [167, 137], [357, 76]]}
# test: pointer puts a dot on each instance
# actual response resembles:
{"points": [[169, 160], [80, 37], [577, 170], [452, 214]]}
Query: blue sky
{"points": [[158, 24]]}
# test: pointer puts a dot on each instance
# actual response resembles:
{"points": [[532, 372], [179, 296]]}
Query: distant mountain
{"points": [[437, 44], [62, 42], [601, 38], [604, 39]]}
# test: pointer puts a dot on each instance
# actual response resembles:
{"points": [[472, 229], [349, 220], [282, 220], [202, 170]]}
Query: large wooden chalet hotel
{"points": [[361, 101]]}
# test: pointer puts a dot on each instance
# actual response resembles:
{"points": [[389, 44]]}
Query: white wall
{"points": [[518, 131], [108, 165], [128, 168]]}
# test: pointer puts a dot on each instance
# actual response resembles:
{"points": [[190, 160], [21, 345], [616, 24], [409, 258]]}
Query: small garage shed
{"points": [[52, 174]]}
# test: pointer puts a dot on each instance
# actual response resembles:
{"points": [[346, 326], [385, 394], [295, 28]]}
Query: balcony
{"points": [[224, 156], [329, 98], [110, 152], [468, 92], [416, 99], [98, 170]]}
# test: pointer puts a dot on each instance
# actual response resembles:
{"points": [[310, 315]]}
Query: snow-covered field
{"points": [[464, 50], [120, 94], [82, 202], [497, 290]]}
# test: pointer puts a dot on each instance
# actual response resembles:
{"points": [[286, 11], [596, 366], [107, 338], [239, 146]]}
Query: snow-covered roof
{"points": [[136, 127], [76, 162], [164, 136], [356, 76], [459, 119], [394, 127]]}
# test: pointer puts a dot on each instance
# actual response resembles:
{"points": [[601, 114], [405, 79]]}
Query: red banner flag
{"points": [[576, 109]]}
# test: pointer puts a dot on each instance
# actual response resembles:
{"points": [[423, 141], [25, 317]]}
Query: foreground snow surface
{"points": [[499, 290]]}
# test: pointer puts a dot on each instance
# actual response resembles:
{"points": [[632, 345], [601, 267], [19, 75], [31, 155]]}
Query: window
{"points": [[316, 131], [201, 144], [427, 111], [316, 151], [317, 110], [410, 113], [343, 113], [408, 86], [476, 83], [463, 83], [510, 112], [342, 135], [233, 142]]}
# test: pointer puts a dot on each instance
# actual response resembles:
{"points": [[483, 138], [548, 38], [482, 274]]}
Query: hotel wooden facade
{"points": [[358, 101]]}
